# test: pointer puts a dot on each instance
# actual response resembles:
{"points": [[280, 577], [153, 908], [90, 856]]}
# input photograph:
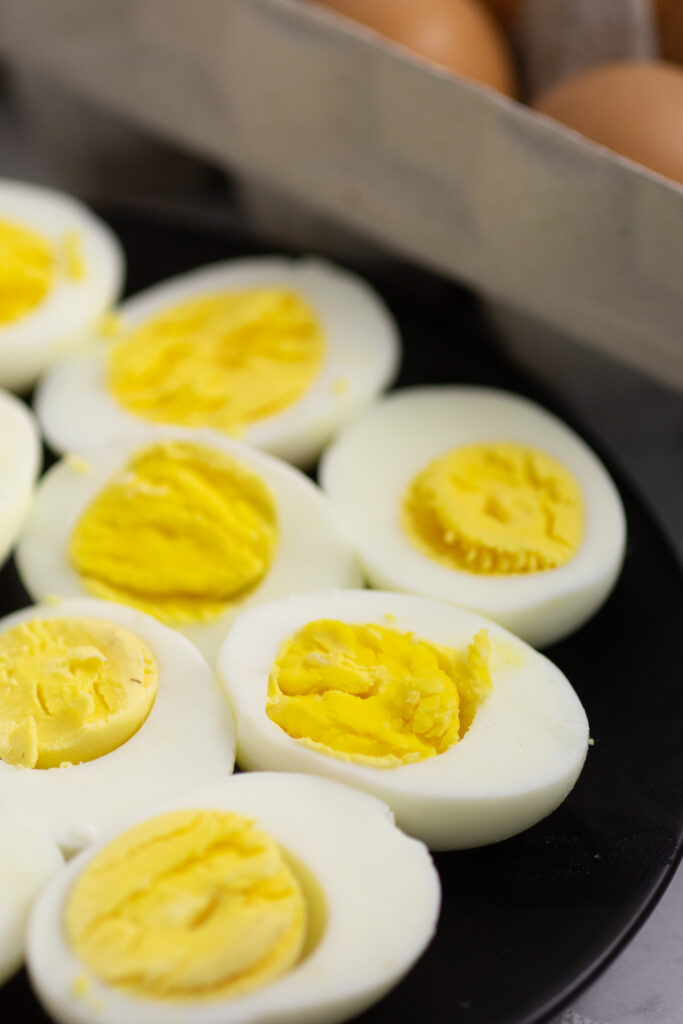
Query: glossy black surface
{"points": [[525, 923]]}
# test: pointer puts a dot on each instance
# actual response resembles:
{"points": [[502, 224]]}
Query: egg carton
{"points": [[539, 221]]}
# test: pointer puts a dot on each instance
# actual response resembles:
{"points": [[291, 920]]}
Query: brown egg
{"points": [[670, 16], [459, 35], [633, 107], [505, 10]]}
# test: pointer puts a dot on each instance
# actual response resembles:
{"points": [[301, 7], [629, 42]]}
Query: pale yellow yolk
{"points": [[373, 695], [74, 264], [71, 690], [224, 360], [495, 508], [190, 905], [27, 271], [182, 532], [109, 325]]}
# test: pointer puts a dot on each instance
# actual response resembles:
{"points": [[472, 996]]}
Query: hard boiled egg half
{"points": [[482, 498], [20, 461], [467, 733], [190, 527], [28, 858], [61, 268], [267, 898], [103, 711], [279, 352]]}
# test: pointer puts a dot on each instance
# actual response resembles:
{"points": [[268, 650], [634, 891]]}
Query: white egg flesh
{"points": [[185, 739], [28, 859], [189, 527], [370, 898], [278, 352], [20, 461], [61, 268], [520, 520], [389, 725]]}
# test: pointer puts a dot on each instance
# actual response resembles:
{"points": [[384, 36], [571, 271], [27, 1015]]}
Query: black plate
{"points": [[526, 923]]}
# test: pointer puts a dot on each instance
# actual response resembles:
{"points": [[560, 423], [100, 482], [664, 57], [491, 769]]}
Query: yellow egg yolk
{"points": [[29, 267], [181, 533], [495, 508], [71, 690], [191, 905], [27, 271], [223, 360], [74, 263], [374, 695]]}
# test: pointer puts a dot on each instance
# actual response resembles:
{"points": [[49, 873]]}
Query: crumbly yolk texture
{"points": [[27, 271], [374, 695], [223, 360], [71, 690], [191, 905], [495, 509], [181, 533]]}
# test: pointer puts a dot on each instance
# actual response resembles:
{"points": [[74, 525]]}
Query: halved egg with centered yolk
{"points": [[482, 498], [276, 352], [465, 731]]}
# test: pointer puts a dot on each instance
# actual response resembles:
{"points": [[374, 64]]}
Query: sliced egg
{"points": [[20, 461], [482, 498], [61, 268], [81, 745], [467, 733], [190, 889], [28, 858], [279, 352], [190, 527]]}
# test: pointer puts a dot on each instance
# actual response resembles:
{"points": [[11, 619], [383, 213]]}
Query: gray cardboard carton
{"points": [[530, 215]]}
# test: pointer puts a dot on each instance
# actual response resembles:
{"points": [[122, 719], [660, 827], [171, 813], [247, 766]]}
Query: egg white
{"points": [[72, 308], [368, 469], [187, 740], [517, 762], [312, 550], [20, 462], [78, 412], [381, 894], [28, 858]]}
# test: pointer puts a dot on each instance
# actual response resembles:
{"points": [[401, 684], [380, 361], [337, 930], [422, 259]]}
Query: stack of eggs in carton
{"points": [[592, 65], [201, 601]]}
